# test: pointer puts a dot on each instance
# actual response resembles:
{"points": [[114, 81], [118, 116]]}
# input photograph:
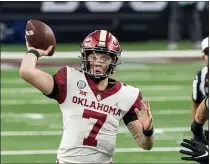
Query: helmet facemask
{"points": [[111, 66]]}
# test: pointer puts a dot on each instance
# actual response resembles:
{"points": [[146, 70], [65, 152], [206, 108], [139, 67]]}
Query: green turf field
{"points": [[31, 124]]}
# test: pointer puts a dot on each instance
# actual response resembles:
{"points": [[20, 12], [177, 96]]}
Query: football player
{"points": [[92, 104]]}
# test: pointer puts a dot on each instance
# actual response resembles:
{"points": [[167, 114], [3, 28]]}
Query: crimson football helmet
{"points": [[100, 41]]}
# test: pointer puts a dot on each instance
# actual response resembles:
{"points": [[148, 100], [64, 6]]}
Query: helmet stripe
{"points": [[102, 38]]}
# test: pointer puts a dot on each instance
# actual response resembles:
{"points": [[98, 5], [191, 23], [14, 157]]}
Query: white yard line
{"points": [[120, 131], [23, 102], [167, 98], [123, 129], [160, 76], [5, 115], [18, 90], [171, 112], [117, 150], [155, 149], [30, 133], [175, 79], [161, 88]]}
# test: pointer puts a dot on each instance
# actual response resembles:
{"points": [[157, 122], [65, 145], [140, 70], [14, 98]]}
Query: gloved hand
{"points": [[198, 151]]}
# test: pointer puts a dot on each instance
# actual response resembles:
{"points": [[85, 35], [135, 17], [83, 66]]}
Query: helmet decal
{"points": [[102, 38]]}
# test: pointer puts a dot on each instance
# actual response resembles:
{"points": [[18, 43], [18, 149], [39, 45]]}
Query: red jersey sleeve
{"points": [[60, 79], [60, 85]]}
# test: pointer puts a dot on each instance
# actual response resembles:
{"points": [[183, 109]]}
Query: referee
{"points": [[201, 80], [197, 149], [200, 92]]}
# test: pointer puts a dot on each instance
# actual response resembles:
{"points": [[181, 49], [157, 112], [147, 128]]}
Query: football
{"points": [[39, 35]]}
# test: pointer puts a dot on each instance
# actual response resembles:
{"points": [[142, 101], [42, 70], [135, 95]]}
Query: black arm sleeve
{"points": [[55, 90]]}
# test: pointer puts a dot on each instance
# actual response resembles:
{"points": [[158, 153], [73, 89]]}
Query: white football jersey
{"points": [[91, 118]]}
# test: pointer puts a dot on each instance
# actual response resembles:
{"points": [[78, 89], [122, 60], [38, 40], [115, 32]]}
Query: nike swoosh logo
{"points": [[204, 155]]}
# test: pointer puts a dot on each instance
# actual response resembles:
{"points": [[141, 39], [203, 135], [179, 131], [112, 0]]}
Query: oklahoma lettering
{"points": [[96, 106]]}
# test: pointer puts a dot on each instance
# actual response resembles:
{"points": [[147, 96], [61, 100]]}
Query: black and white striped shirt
{"points": [[201, 85]]}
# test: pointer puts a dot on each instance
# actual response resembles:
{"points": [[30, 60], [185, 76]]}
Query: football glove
{"points": [[197, 151]]}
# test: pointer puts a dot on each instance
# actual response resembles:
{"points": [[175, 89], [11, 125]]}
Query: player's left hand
{"points": [[145, 118]]}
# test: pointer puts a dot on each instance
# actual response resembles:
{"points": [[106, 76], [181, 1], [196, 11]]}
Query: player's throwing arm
{"points": [[37, 48]]}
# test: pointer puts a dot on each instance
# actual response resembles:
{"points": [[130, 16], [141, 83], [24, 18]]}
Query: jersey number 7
{"points": [[101, 118]]}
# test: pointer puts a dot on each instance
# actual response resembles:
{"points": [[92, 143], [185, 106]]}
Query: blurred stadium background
{"points": [[31, 124]]}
